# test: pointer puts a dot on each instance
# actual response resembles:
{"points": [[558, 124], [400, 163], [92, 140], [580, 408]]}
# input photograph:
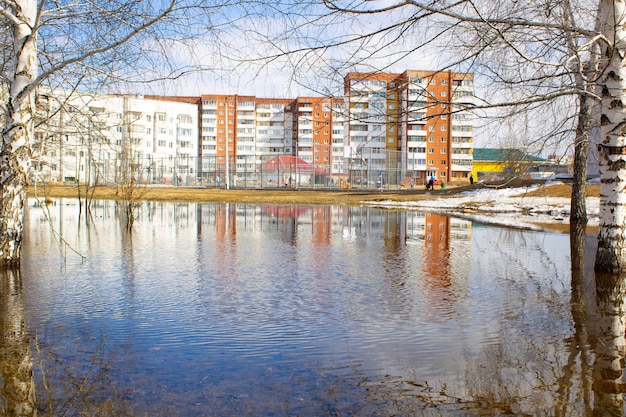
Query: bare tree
{"points": [[87, 45], [611, 255], [540, 61]]}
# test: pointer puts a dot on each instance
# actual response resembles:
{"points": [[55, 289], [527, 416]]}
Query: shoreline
{"points": [[451, 200], [264, 195]]}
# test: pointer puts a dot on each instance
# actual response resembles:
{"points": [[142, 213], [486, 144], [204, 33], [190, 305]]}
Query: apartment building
{"points": [[100, 139], [371, 125], [239, 133], [320, 139], [409, 126], [391, 129]]}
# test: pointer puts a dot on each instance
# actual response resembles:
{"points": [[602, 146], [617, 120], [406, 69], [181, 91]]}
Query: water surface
{"points": [[261, 310]]}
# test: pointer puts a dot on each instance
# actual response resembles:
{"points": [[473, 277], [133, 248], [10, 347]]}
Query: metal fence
{"points": [[239, 172]]}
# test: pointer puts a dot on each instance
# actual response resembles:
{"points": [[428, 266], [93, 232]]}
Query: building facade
{"points": [[389, 129], [102, 139], [408, 127]]}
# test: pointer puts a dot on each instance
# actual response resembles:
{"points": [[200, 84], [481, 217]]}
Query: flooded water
{"points": [[260, 310]]}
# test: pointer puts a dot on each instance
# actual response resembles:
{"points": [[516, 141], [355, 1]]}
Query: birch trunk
{"points": [[611, 255], [578, 210], [15, 154]]}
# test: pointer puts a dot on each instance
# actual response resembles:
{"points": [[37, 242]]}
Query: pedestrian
{"points": [[431, 183], [471, 180]]}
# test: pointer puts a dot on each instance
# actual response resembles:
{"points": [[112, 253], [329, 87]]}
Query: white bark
{"points": [[15, 153], [611, 255]]}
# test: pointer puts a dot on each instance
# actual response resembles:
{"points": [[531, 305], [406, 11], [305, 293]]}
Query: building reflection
{"points": [[435, 233], [423, 261]]}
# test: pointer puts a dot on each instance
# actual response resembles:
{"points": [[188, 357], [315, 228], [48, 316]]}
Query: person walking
{"points": [[431, 183]]}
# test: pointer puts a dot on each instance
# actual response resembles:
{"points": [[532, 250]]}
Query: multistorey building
{"points": [[388, 129], [239, 133], [103, 139], [410, 126], [320, 138]]}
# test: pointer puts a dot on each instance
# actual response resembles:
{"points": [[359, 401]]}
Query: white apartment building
{"points": [[98, 139]]}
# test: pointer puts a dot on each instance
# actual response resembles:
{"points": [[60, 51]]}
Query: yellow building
{"points": [[492, 164]]}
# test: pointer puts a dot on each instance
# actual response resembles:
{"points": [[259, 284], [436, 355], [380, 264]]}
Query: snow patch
{"points": [[499, 206]]}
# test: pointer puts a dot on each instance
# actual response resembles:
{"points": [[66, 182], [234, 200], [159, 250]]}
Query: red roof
{"points": [[288, 163]]}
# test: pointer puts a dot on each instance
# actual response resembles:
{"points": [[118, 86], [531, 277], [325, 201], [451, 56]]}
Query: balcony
{"points": [[416, 134], [462, 156], [462, 145]]}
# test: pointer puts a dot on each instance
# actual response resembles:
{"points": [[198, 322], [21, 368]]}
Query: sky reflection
{"points": [[310, 310]]}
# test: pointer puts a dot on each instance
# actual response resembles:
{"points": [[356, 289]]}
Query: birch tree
{"points": [[15, 153], [90, 46], [540, 60], [611, 254]]}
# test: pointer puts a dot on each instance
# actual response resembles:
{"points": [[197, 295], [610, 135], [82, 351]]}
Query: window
{"points": [[443, 94], [431, 128], [443, 128]]}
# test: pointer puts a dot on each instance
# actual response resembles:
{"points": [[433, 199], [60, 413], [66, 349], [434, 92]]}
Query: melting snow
{"points": [[506, 206]]}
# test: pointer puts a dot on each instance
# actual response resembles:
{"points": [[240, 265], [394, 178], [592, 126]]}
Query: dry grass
{"points": [[562, 190], [276, 196], [291, 196]]}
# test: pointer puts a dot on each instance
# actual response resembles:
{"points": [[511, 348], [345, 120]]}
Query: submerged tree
{"points": [[83, 45]]}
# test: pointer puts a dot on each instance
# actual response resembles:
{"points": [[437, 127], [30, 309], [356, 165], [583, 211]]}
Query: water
{"points": [[230, 310]]}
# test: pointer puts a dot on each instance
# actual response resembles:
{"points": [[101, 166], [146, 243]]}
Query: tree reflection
{"points": [[608, 368], [18, 389], [602, 333], [580, 347]]}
